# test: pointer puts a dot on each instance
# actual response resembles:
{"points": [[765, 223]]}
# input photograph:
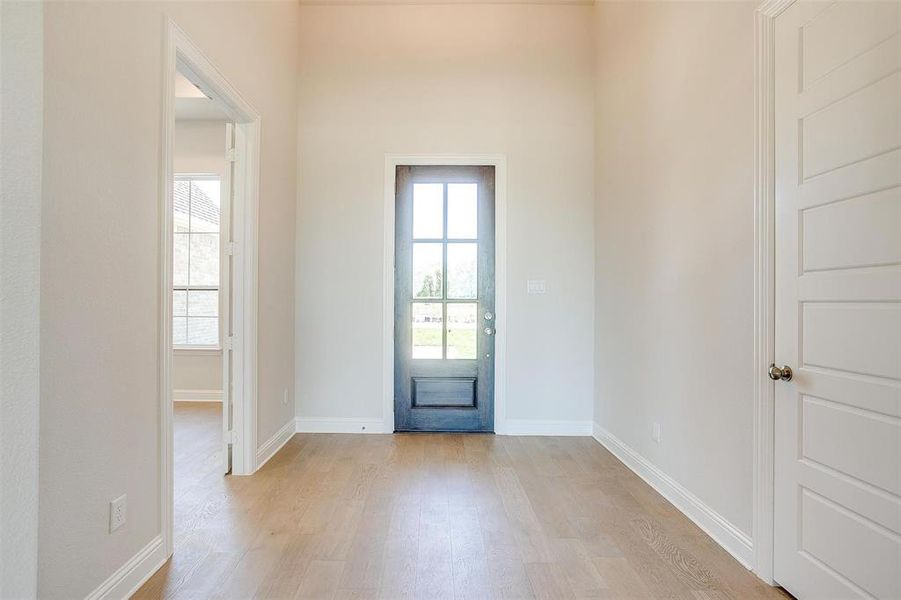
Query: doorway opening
{"points": [[201, 299], [498, 163], [209, 189]]}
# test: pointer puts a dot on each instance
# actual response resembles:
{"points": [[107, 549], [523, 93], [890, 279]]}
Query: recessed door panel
{"points": [[436, 392]]}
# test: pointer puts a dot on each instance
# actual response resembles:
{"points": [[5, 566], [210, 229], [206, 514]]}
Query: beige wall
{"points": [[21, 58], [648, 310], [198, 148], [100, 259], [674, 228], [445, 79], [196, 371]]}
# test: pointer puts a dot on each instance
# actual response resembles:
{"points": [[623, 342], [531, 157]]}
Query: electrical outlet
{"points": [[655, 432], [117, 512], [285, 398]]}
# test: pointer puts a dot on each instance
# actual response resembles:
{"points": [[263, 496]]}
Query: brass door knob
{"points": [[783, 374]]}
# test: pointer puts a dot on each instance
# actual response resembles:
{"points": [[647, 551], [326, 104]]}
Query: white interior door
{"points": [[225, 298], [838, 300]]}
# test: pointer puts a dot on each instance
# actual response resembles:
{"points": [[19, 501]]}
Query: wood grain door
{"points": [[838, 300], [444, 317]]}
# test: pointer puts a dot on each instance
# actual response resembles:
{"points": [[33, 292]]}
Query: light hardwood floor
{"points": [[431, 516]]}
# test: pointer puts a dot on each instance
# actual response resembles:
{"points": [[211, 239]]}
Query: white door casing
{"points": [[838, 299], [181, 54]]}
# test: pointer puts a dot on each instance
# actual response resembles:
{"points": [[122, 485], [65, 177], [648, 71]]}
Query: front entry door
{"points": [[444, 321], [838, 300]]}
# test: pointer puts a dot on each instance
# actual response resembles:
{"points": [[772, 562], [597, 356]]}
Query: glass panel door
{"points": [[444, 299]]}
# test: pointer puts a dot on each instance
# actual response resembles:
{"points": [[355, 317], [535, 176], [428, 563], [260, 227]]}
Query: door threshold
{"points": [[443, 431]]}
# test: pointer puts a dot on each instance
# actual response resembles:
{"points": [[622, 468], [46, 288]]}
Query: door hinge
{"points": [[230, 436], [230, 342], [230, 248], [231, 155]]}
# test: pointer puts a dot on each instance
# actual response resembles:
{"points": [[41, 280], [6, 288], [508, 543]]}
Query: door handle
{"points": [[777, 374]]}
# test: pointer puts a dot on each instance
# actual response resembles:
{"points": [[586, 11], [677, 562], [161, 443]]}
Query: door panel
{"points": [[444, 299], [855, 337], [226, 302], [838, 300], [444, 391], [861, 27], [835, 536], [862, 138], [860, 232]]}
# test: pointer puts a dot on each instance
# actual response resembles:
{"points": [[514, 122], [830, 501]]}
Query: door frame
{"points": [[499, 162], [180, 53], [763, 508]]}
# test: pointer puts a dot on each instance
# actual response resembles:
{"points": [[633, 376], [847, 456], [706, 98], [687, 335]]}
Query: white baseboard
{"points": [[731, 538], [197, 395], [275, 443], [540, 427], [132, 575], [339, 425]]}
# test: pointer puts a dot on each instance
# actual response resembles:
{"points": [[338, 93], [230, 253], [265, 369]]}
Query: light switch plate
{"points": [[536, 286], [117, 512]]}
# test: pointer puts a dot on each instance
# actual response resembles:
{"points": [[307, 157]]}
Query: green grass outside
{"points": [[464, 340]]}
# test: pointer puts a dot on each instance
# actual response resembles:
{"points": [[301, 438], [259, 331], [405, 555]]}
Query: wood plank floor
{"points": [[431, 516]]}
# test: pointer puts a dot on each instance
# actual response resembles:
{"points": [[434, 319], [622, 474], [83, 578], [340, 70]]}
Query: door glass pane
{"points": [[427, 270], [428, 211], [179, 331], [462, 211], [205, 202], [204, 259], [427, 330], [181, 205], [461, 330], [203, 303], [180, 259], [462, 267], [203, 331]]}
